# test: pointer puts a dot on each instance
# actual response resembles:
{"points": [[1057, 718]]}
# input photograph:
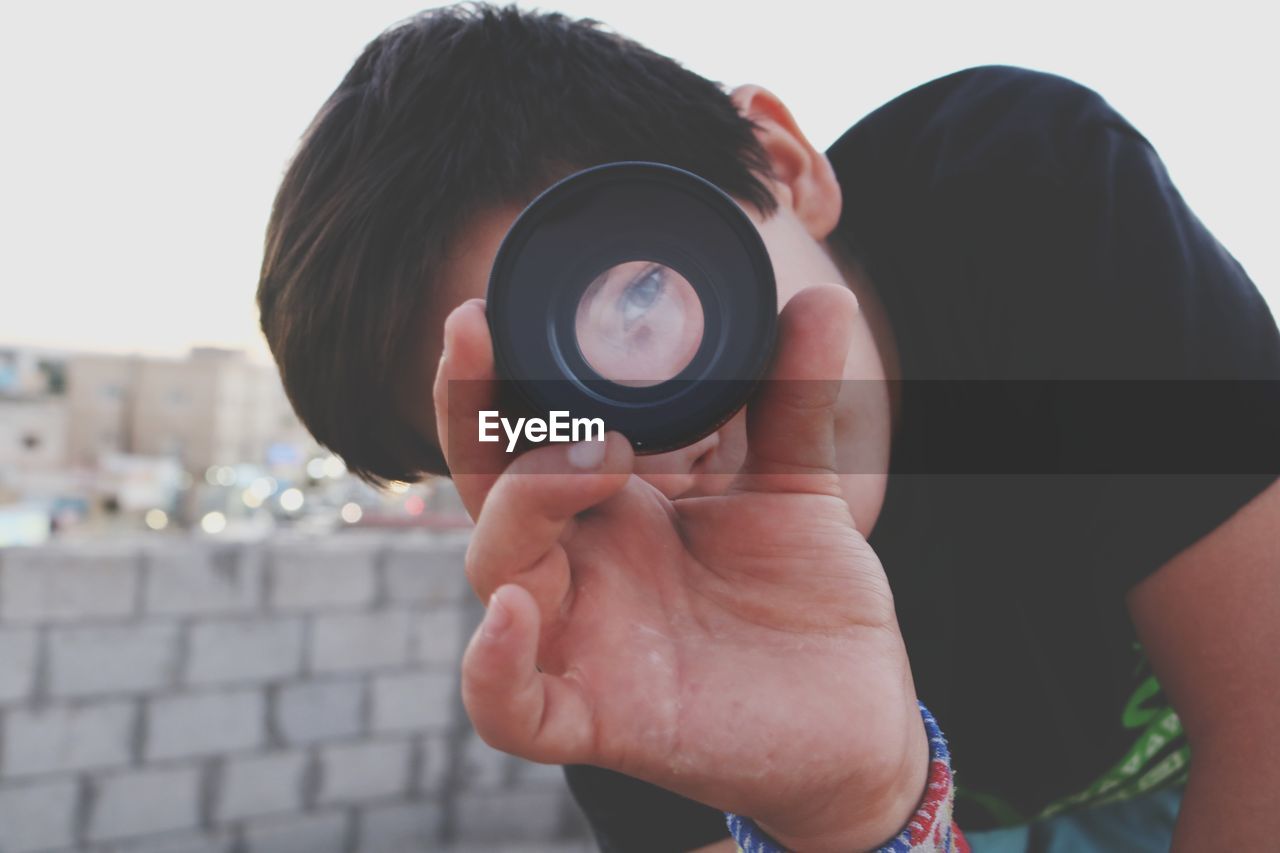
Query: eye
{"points": [[640, 295]]}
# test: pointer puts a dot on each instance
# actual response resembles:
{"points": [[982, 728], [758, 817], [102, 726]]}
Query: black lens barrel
{"points": [[610, 214]]}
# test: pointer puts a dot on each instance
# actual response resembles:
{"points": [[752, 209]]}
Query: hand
{"points": [[740, 649]]}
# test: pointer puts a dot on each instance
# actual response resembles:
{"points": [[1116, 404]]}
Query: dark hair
{"points": [[443, 115]]}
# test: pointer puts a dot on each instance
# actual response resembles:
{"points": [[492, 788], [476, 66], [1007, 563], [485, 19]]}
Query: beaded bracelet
{"points": [[930, 828]]}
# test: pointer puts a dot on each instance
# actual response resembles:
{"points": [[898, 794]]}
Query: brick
{"points": [[182, 842], [37, 817], [318, 710], [316, 833], [17, 663], [493, 816], [352, 772], [349, 642], [261, 784], [429, 572], [226, 651], [435, 752], [413, 701], [64, 738], [62, 584], [335, 573], [204, 723], [111, 659], [197, 578], [440, 635], [144, 801], [400, 827]]}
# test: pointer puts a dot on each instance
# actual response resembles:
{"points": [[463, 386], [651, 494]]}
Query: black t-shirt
{"points": [[1018, 230]]}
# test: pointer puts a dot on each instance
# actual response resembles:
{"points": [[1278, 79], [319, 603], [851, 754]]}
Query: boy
{"points": [[746, 625]]}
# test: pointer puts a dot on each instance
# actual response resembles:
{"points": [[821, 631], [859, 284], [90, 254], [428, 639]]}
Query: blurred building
{"points": [[33, 442], [215, 407], [95, 443], [98, 405], [33, 453], [33, 434], [31, 372]]}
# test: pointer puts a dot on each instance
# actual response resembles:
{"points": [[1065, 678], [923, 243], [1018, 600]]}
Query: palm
{"points": [[696, 629]]}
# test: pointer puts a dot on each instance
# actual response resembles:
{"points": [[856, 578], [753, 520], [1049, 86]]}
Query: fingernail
{"points": [[586, 455], [498, 617]]}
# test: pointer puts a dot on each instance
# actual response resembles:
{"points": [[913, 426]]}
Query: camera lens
{"points": [[638, 293], [639, 323]]}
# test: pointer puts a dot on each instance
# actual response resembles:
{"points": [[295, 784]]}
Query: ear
{"points": [[803, 177]]}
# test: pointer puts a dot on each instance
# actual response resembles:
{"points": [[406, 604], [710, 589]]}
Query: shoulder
{"points": [[1026, 211], [986, 119]]}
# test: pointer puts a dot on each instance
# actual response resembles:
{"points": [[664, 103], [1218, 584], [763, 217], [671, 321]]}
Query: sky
{"points": [[143, 142]]}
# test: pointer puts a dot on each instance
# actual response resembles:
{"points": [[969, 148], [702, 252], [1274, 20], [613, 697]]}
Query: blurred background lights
{"points": [[414, 505], [330, 466], [291, 500], [351, 513], [156, 519], [334, 467], [251, 498], [213, 522], [262, 488]]}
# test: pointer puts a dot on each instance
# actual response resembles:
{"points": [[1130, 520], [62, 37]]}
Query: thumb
{"points": [[791, 421]]}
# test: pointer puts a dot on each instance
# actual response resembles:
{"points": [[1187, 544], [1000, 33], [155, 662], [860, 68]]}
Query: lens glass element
{"points": [[639, 323]]}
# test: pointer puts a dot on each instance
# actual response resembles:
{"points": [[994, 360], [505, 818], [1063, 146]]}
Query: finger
{"points": [[791, 422], [513, 706], [465, 384], [517, 537]]}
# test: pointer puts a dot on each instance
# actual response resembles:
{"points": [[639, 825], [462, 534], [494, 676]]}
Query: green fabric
{"points": [[1159, 758]]}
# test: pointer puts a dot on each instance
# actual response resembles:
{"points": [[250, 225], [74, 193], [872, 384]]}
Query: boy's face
{"points": [[795, 236]]}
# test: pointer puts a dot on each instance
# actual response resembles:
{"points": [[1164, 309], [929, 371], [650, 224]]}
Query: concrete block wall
{"points": [[184, 695]]}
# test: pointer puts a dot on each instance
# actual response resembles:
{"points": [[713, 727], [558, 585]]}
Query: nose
{"points": [[676, 473]]}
